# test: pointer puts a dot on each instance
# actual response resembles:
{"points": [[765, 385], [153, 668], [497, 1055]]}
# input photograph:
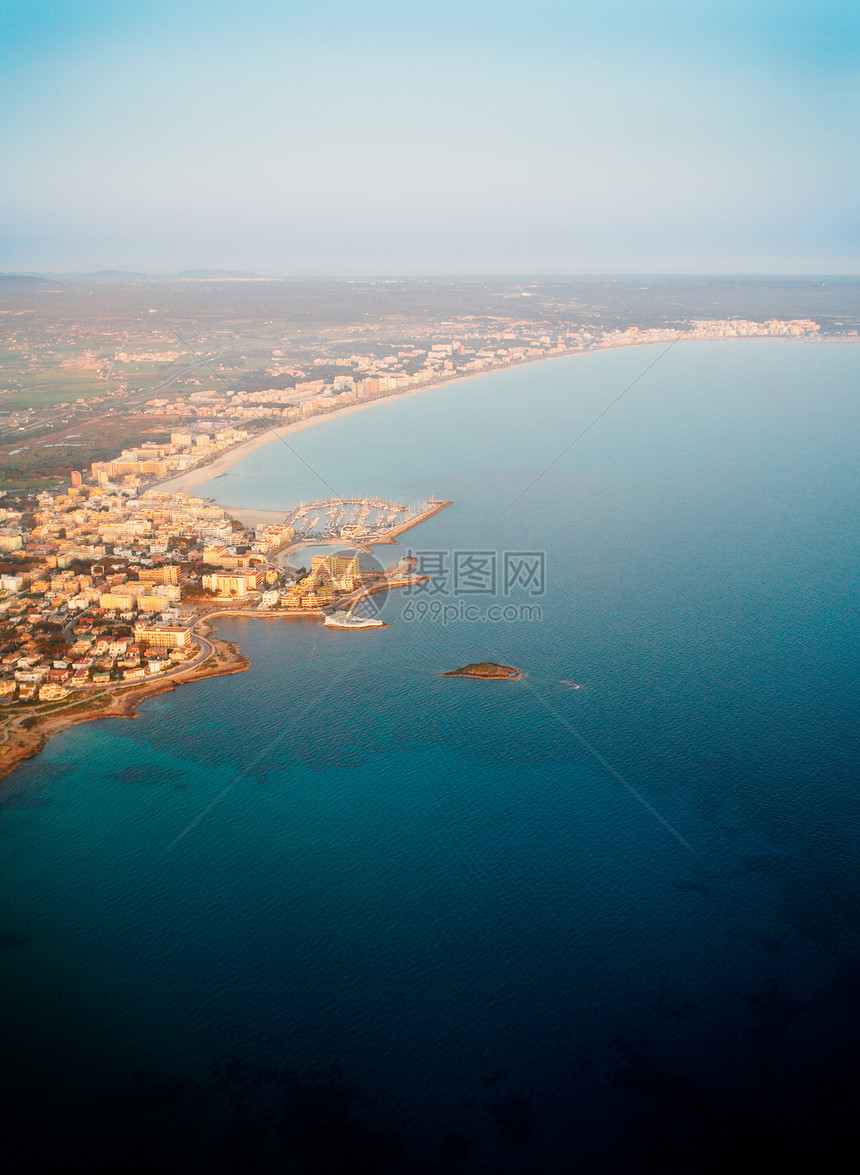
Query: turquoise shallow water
{"points": [[423, 927]]}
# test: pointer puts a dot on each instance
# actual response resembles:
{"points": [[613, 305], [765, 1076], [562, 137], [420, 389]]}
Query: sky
{"points": [[408, 137]]}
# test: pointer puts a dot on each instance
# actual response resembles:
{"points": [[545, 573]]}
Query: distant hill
{"points": [[30, 280], [122, 275], [108, 275], [213, 273]]}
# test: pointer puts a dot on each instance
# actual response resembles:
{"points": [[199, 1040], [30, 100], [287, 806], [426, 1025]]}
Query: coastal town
{"points": [[103, 582], [103, 577], [107, 588], [90, 368], [109, 575], [291, 389]]}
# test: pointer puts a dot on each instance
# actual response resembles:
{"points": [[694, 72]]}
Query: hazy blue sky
{"points": [[403, 137]]}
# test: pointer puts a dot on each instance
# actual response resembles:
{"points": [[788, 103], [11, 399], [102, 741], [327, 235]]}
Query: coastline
{"points": [[25, 735], [187, 483], [28, 734]]}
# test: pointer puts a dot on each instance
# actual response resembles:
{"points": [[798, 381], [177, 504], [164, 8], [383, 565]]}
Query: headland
{"points": [[27, 733]]}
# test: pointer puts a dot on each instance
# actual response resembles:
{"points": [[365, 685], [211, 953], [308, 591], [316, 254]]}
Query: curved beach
{"points": [[187, 483]]}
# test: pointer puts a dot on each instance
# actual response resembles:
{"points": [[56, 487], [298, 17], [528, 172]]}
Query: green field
{"points": [[43, 389], [37, 485]]}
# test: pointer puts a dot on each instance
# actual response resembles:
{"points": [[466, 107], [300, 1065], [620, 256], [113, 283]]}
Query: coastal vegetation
{"points": [[47, 453]]}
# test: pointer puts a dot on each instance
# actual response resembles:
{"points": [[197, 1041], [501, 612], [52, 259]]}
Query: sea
{"points": [[340, 913]]}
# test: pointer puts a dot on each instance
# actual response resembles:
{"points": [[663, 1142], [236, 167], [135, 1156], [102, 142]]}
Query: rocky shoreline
{"points": [[26, 735]]}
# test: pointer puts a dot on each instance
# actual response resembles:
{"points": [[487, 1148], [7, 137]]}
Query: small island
{"points": [[487, 671]]}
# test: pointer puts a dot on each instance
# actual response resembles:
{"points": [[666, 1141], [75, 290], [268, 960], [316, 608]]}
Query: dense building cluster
{"points": [[470, 349], [101, 582]]}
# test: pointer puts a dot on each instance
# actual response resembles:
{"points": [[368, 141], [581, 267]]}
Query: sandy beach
{"points": [[249, 517], [188, 483], [25, 733]]}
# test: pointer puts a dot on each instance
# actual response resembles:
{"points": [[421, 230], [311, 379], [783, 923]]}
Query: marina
{"points": [[359, 520]]}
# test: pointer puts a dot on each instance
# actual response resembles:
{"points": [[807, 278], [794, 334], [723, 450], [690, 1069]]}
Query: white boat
{"points": [[347, 620]]}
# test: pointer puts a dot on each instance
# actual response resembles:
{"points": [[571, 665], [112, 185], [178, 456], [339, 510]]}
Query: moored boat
{"points": [[344, 619]]}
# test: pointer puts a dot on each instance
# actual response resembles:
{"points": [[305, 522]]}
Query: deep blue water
{"points": [[424, 928]]}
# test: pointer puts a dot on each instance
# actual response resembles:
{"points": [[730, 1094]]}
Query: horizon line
{"points": [[382, 275]]}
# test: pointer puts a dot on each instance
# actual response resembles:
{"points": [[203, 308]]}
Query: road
{"points": [[205, 650]]}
